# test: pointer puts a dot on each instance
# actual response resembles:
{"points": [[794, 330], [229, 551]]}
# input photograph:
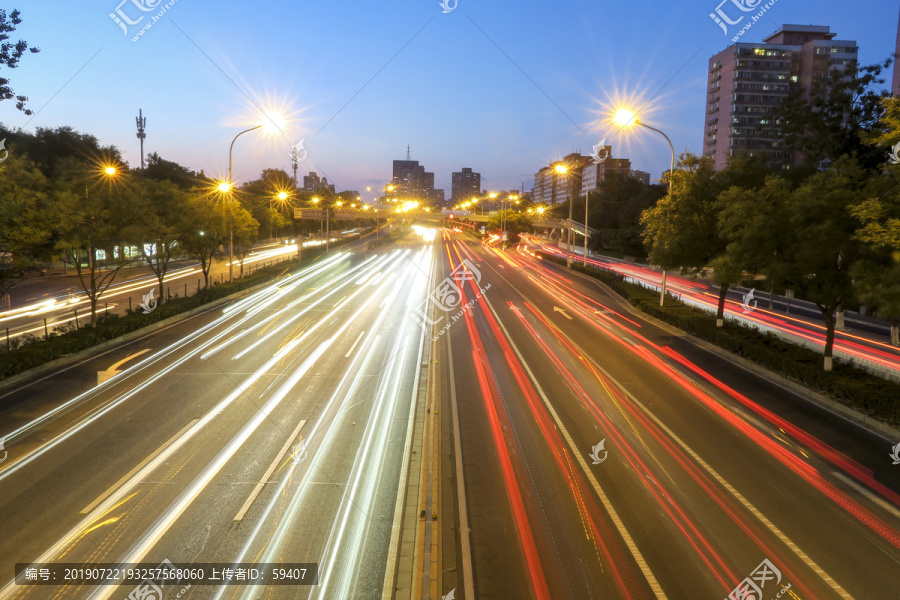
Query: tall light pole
{"points": [[229, 188], [587, 194], [625, 118], [389, 188], [562, 169]]}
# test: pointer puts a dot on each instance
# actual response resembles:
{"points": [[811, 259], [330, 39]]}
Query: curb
{"points": [[856, 417]]}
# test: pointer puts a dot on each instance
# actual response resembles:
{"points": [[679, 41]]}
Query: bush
{"points": [[849, 385]]}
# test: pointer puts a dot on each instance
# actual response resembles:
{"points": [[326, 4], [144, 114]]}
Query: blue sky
{"points": [[501, 87]]}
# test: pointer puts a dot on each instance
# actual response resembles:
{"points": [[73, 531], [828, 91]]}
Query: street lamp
{"points": [[108, 171], [562, 170], [226, 188], [626, 118]]}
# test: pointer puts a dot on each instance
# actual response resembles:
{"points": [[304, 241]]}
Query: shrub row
{"points": [[34, 351], [849, 385]]}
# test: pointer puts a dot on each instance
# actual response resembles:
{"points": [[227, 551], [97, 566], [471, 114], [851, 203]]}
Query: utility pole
{"points": [[141, 124]]}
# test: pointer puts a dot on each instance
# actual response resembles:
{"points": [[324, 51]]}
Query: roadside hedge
{"points": [[847, 384]]}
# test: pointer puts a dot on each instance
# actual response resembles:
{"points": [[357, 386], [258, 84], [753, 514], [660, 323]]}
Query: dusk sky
{"points": [[502, 87]]}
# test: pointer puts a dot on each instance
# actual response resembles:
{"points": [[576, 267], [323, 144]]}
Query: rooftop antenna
{"points": [[141, 124], [407, 152]]}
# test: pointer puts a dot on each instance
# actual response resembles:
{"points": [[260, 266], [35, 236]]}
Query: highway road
{"points": [[865, 339], [305, 387], [585, 451], [60, 300], [608, 457]]}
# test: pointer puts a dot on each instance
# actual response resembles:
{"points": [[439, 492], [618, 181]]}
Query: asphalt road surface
{"points": [[602, 455]]}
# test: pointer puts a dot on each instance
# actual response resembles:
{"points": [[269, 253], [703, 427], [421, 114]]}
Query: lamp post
{"points": [[562, 169], [587, 194], [625, 118], [389, 188], [228, 188]]}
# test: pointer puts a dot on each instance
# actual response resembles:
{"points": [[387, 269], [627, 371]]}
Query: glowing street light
{"points": [[626, 118]]}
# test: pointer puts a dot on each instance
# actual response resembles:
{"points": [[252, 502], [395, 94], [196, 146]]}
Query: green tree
{"points": [[516, 223], [837, 118], [805, 237], [203, 230], [158, 207], [260, 198], [615, 211], [89, 215], [877, 273], [10, 54], [53, 149], [160, 169], [246, 232], [681, 231], [24, 191]]}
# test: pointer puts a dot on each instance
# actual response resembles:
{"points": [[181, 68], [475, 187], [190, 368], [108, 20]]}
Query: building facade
{"points": [[464, 185], [412, 182], [642, 176], [552, 187], [594, 173], [747, 82], [312, 183]]}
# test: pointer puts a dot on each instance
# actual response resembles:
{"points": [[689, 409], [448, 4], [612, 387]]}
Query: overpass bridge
{"points": [[560, 225]]}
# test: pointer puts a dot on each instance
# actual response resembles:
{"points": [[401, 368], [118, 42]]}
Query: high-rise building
{"points": [[553, 187], [593, 173], [642, 176], [464, 185], [311, 182], [747, 81], [412, 182]]}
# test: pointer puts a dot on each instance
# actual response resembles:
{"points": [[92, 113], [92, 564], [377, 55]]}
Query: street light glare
{"points": [[282, 195], [273, 122], [624, 118], [562, 169], [110, 170], [224, 187]]}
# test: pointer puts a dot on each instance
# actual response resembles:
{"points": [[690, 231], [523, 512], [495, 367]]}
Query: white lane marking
{"points": [[465, 530], [155, 358], [721, 480], [265, 478], [139, 466], [613, 514], [174, 512], [353, 347]]}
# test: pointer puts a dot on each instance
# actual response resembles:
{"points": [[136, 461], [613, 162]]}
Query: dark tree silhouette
{"points": [[10, 54]]}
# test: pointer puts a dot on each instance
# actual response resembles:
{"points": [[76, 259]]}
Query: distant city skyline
{"points": [[360, 81]]}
